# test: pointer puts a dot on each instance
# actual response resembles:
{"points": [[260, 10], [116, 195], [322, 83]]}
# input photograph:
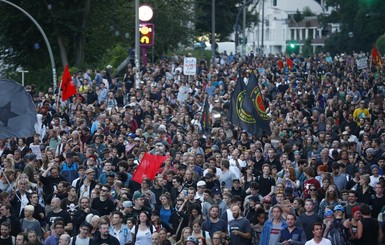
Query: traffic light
{"points": [[146, 31], [292, 47]]}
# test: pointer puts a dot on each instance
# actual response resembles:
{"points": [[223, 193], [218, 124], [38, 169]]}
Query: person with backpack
{"points": [[335, 230], [143, 230], [82, 237], [119, 230]]}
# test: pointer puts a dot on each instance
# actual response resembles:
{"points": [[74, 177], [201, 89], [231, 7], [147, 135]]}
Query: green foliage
{"points": [[84, 33], [380, 44], [361, 24], [307, 49], [225, 15]]}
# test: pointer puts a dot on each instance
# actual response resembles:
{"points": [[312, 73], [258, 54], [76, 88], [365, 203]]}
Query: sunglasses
{"points": [[313, 189]]}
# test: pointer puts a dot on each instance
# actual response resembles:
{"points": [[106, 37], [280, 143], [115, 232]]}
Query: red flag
{"points": [[280, 64], [376, 57], [289, 63], [148, 167], [67, 86]]}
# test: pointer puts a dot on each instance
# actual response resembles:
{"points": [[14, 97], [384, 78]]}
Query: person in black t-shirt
{"points": [[266, 182], [56, 213], [6, 238], [104, 237], [103, 204]]}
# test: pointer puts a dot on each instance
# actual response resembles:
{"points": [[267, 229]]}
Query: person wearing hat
{"points": [[191, 240], [139, 205], [361, 112], [82, 237], [87, 184], [355, 224], [336, 230], [69, 168]]}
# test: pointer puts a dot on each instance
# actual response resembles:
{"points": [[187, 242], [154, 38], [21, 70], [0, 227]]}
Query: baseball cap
{"points": [[328, 213], [215, 190], [127, 204], [31, 156], [137, 195], [201, 183], [267, 199], [339, 208], [191, 239]]}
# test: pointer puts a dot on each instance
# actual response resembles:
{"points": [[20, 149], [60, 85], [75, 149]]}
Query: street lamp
{"points": [[245, 4], [44, 37]]}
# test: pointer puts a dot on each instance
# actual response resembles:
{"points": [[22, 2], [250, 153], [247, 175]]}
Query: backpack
{"points": [[337, 233], [74, 240], [136, 232]]}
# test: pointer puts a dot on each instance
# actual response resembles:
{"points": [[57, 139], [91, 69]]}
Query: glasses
{"points": [[313, 189], [216, 238], [104, 190], [84, 202]]}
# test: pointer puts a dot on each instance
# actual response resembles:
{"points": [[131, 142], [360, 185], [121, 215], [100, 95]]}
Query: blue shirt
{"points": [[52, 240], [124, 235]]}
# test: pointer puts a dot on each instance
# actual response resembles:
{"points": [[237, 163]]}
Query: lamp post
{"points": [[45, 39], [237, 21], [137, 65], [213, 31]]}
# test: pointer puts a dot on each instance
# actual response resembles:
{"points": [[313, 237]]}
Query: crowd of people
{"points": [[317, 178]]}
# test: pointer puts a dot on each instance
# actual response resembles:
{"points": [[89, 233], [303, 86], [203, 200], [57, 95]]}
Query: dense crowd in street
{"points": [[316, 179]]}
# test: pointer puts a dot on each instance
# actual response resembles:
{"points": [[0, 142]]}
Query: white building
{"points": [[280, 28]]}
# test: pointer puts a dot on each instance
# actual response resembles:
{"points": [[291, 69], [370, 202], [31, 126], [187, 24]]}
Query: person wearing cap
{"points": [[139, 206], [375, 177], [191, 240], [69, 168], [361, 112], [336, 230], [201, 186], [82, 236], [355, 225], [87, 184]]}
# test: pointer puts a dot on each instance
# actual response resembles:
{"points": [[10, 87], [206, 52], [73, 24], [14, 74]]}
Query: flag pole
{"points": [[58, 94]]}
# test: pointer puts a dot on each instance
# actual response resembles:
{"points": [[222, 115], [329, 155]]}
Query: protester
{"points": [[325, 148]]}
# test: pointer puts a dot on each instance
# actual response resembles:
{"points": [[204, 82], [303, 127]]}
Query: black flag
{"points": [[254, 91], [17, 111], [242, 112], [205, 118]]}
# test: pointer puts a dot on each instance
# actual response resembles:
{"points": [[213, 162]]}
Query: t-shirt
{"points": [[103, 207], [265, 185], [51, 217], [211, 227], [242, 225], [324, 241], [275, 233], [307, 222], [80, 241], [7, 241], [143, 237]]}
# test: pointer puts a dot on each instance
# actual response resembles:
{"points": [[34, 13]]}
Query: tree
{"points": [[83, 33], [225, 13], [361, 23], [380, 44]]}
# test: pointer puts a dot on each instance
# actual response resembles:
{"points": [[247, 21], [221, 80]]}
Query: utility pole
{"points": [[213, 32]]}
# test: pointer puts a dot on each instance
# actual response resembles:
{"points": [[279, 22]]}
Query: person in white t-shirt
{"points": [[318, 239]]}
